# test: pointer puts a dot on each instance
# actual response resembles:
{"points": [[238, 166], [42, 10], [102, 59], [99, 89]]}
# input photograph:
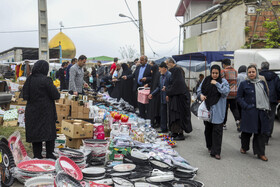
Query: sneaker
{"points": [[225, 127]]}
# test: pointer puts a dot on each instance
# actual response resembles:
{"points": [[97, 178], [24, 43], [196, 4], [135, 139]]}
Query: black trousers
{"points": [[37, 149], [176, 128], [258, 143], [163, 117], [213, 136], [233, 108], [271, 115], [143, 110]]}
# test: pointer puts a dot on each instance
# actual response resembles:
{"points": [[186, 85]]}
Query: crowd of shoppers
{"points": [[251, 96]]}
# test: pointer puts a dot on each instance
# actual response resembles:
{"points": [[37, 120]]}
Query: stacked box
{"points": [[73, 143], [78, 111], [62, 109]]}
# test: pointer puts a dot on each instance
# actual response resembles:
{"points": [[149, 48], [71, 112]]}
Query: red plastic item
{"points": [[70, 167], [37, 166]]}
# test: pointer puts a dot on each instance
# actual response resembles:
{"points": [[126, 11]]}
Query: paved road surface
{"points": [[234, 169]]}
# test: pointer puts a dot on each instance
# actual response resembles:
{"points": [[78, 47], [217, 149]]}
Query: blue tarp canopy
{"points": [[208, 56], [194, 65], [159, 61]]}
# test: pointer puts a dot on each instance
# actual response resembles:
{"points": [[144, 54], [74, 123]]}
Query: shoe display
{"points": [[180, 137]]}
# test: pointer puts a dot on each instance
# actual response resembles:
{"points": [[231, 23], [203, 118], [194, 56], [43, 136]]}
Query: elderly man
{"points": [[178, 97], [76, 81], [142, 75], [273, 83]]}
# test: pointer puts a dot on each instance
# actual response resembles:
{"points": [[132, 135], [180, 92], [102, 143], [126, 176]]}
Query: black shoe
{"points": [[51, 156], [174, 135], [163, 131], [180, 137]]}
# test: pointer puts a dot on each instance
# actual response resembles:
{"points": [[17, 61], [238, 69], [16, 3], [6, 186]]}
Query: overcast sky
{"points": [[158, 19]]}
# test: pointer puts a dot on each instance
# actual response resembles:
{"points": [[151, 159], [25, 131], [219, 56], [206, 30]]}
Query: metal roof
{"points": [[212, 13]]}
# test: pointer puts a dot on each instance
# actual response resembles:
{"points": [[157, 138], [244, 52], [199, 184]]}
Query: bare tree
{"points": [[128, 51]]}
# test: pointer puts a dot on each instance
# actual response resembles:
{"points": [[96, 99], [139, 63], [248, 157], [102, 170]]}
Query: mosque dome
{"points": [[67, 45]]}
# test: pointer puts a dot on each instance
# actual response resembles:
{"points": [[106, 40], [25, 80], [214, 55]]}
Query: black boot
{"points": [[50, 149], [180, 137], [37, 150]]}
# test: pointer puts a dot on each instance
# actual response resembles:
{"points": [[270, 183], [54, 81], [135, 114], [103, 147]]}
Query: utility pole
{"points": [[43, 30], [142, 49]]}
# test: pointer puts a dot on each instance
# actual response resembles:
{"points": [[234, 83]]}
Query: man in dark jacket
{"points": [[40, 114], [61, 76], [142, 75], [164, 82], [273, 83], [178, 98]]}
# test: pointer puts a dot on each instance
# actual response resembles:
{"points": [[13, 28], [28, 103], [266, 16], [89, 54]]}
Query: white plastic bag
{"points": [[203, 113]]}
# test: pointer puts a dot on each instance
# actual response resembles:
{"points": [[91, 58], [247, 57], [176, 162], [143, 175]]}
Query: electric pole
{"points": [[43, 30], [142, 49]]}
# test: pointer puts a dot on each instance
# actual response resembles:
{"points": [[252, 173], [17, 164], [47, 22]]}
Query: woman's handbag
{"points": [[194, 107], [203, 113], [143, 94]]}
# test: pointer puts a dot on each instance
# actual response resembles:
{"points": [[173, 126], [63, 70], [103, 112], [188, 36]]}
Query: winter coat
{"points": [[40, 113], [273, 83], [218, 111], [251, 116]]}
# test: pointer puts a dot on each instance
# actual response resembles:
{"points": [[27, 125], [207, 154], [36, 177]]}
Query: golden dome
{"points": [[67, 45]]}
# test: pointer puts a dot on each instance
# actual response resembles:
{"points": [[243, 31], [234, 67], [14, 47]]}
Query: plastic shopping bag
{"points": [[203, 113]]}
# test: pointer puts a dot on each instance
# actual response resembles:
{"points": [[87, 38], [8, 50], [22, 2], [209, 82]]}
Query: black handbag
{"points": [[194, 107]]}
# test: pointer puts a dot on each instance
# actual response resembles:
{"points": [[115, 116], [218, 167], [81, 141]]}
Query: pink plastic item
{"points": [[143, 95]]}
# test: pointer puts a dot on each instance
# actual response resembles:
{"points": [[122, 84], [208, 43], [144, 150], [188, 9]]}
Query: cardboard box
{"points": [[73, 143], [86, 110], [61, 101], [60, 141], [67, 101], [77, 129], [17, 95], [62, 109], [13, 123], [74, 114], [20, 101], [59, 119]]}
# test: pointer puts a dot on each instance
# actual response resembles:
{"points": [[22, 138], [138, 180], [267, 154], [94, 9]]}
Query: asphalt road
{"points": [[234, 169]]}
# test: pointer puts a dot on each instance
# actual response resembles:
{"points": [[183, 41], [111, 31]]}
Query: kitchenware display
{"points": [[144, 184], [187, 183], [93, 172], [160, 176], [157, 164], [37, 166], [64, 180], [4, 140], [76, 156], [45, 181], [121, 182], [93, 184], [106, 181], [184, 175], [68, 166], [17, 149], [6, 163], [124, 167]]}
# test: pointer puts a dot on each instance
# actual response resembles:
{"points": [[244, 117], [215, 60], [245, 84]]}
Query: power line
{"points": [[129, 9], [75, 27]]}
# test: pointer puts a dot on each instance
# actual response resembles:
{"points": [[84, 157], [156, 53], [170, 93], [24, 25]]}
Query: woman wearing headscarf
{"points": [[253, 98], [154, 103], [126, 85], [40, 115], [116, 89], [214, 90]]}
